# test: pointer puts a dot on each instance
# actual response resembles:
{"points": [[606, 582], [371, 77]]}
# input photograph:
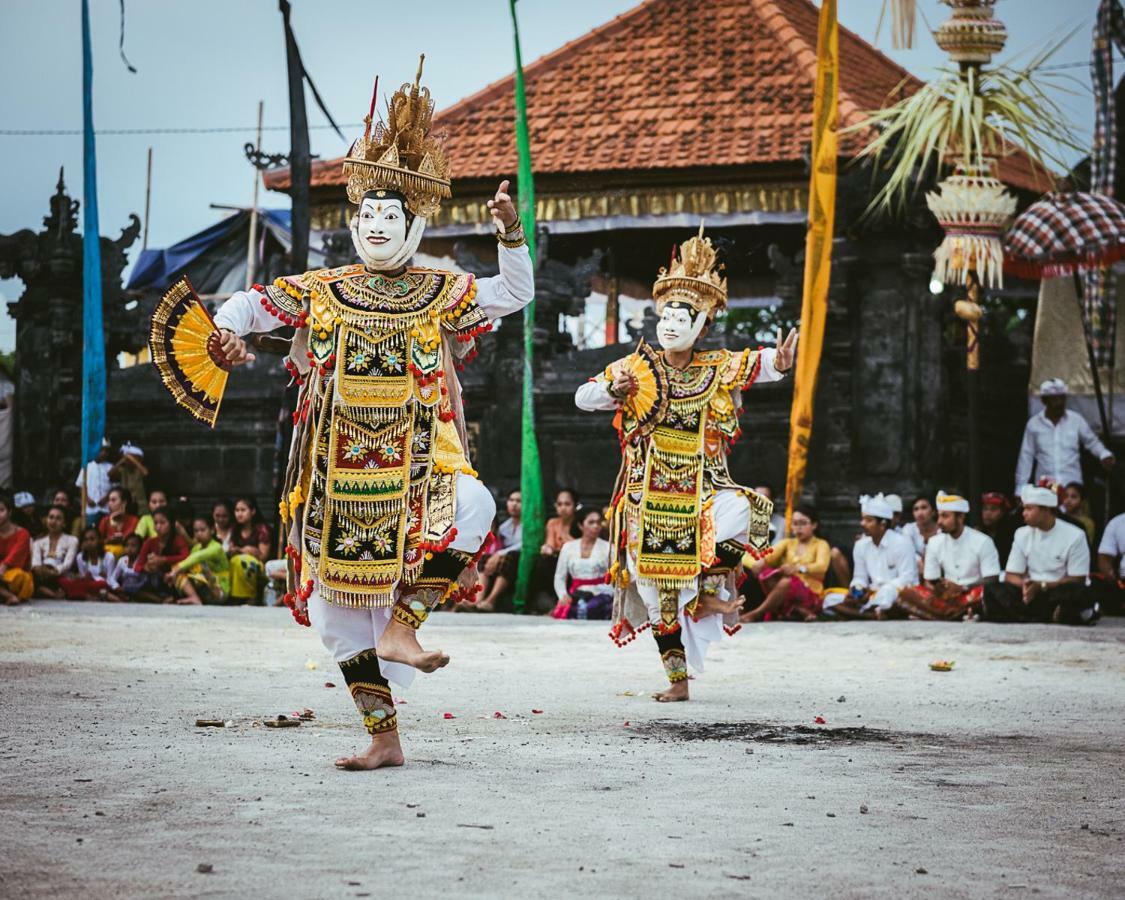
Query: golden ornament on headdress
{"points": [[399, 154], [693, 277]]}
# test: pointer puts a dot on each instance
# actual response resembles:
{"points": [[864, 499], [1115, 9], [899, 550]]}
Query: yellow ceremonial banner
{"points": [[818, 251]]}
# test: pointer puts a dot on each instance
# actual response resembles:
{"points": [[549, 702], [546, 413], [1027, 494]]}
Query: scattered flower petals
{"points": [[820, 720], [498, 715], [538, 712], [329, 684], [942, 665], [626, 724], [311, 664], [448, 716]]}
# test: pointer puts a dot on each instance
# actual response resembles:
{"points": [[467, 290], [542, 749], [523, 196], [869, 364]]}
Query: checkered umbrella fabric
{"points": [[1064, 233]]}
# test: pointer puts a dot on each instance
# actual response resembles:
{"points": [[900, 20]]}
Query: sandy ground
{"points": [[999, 779]]}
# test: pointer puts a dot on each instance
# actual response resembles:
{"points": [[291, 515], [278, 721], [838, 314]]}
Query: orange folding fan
{"points": [[184, 342]]}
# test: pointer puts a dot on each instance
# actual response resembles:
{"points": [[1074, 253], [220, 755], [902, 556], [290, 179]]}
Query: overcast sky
{"points": [[206, 64]]}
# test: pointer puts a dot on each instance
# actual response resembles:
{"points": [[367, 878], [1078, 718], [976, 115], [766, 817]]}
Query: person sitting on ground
{"points": [[158, 556], [558, 532], [999, 522], [884, 565], [26, 515], [119, 523], [959, 562], [923, 527], [222, 521], [204, 575], [145, 527], [75, 523], [16, 583], [53, 555], [1077, 510], [248, 552], [129, 471], [580, 584], [792, 575], [126, 580], [1053, 440], [1045, 578], [1109, 582], [94, 571], [503, 565], [561, 525]]}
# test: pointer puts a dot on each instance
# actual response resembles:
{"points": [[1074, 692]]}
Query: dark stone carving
{"points": [[49, 335]]}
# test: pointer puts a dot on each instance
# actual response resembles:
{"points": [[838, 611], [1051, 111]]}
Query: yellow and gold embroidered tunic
{"points": [[675, 434], [378, 445]]}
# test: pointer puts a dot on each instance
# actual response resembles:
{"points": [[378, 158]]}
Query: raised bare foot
{"points": [[399, 644], [384, 750], [709, 604], [676, 693]]}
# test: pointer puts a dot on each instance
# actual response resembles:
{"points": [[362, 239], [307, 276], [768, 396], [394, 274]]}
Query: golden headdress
{"points": [[399, 155], [693, 277]]}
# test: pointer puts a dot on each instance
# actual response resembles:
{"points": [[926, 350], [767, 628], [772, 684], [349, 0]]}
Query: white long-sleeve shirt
{"points": [[498, 295], [574, 565], [1054, 451], [594, 396], [63, 556], [890, 562]]}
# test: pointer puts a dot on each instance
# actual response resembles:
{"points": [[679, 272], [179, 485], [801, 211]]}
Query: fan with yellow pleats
{"points": [[184, 342], [648, 403]]}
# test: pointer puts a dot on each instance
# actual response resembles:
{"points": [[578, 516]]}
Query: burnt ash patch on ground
{"points": [[766, 733]]}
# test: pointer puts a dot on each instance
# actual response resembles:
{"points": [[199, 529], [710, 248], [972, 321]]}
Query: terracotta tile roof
{"points": [[670, 85]]}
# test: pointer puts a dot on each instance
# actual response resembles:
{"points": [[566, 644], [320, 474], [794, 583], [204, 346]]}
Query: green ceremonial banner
{"points": [[531, 479]]}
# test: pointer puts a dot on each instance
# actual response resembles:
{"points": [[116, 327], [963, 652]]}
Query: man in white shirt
{"points": [[1053, 441], [959, 562], [1110, 579], [1045, 579], [97, 482], [884, 565]]}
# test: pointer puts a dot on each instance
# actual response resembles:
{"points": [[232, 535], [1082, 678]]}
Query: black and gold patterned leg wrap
{"points": [[728, 556], [671, 647], [371, 692], [669, 611], [439, 573]]}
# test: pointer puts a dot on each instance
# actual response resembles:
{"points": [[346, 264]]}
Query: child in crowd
{"points": [[119, 523], [16, 583], [53, 555], [157, 557], [95, 571], [1078, 510], [145, 527], [128, 580], [249, 550], [222, 521], [204, 575]]}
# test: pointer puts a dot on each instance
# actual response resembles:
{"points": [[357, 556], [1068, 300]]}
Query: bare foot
{"points": [[676, 693], [189, 601], [709, 604], [751, 616], [385, 750], [485, 606], [399, 644]]}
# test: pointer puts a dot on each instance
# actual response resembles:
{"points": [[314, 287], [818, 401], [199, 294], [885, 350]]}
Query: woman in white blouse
{"points": [[580, 572], [53, 555]]}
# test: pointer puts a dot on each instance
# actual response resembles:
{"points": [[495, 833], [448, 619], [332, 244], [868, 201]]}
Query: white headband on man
{"points": [[876, 506], [1053, 387], [1032, 495], [951, 503]]}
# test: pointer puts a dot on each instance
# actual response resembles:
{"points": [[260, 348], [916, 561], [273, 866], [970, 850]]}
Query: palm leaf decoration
{"points": [[965, 119]]}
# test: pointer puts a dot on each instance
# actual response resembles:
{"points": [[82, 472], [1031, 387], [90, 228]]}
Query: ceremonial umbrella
{"points": [[1068, 233]]}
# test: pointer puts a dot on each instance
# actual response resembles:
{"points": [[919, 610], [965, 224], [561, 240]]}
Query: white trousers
{"points": [[731, 512], [346, 631]]}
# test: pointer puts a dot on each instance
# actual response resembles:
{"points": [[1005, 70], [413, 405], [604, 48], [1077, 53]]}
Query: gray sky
{"points": [[206, 63]]}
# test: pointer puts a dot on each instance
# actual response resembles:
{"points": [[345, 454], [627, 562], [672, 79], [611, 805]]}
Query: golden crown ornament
{"points": [[693, 277], [399, 154]]}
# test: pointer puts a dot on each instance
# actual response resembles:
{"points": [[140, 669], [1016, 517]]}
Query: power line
{"points": [[30, 132]]}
